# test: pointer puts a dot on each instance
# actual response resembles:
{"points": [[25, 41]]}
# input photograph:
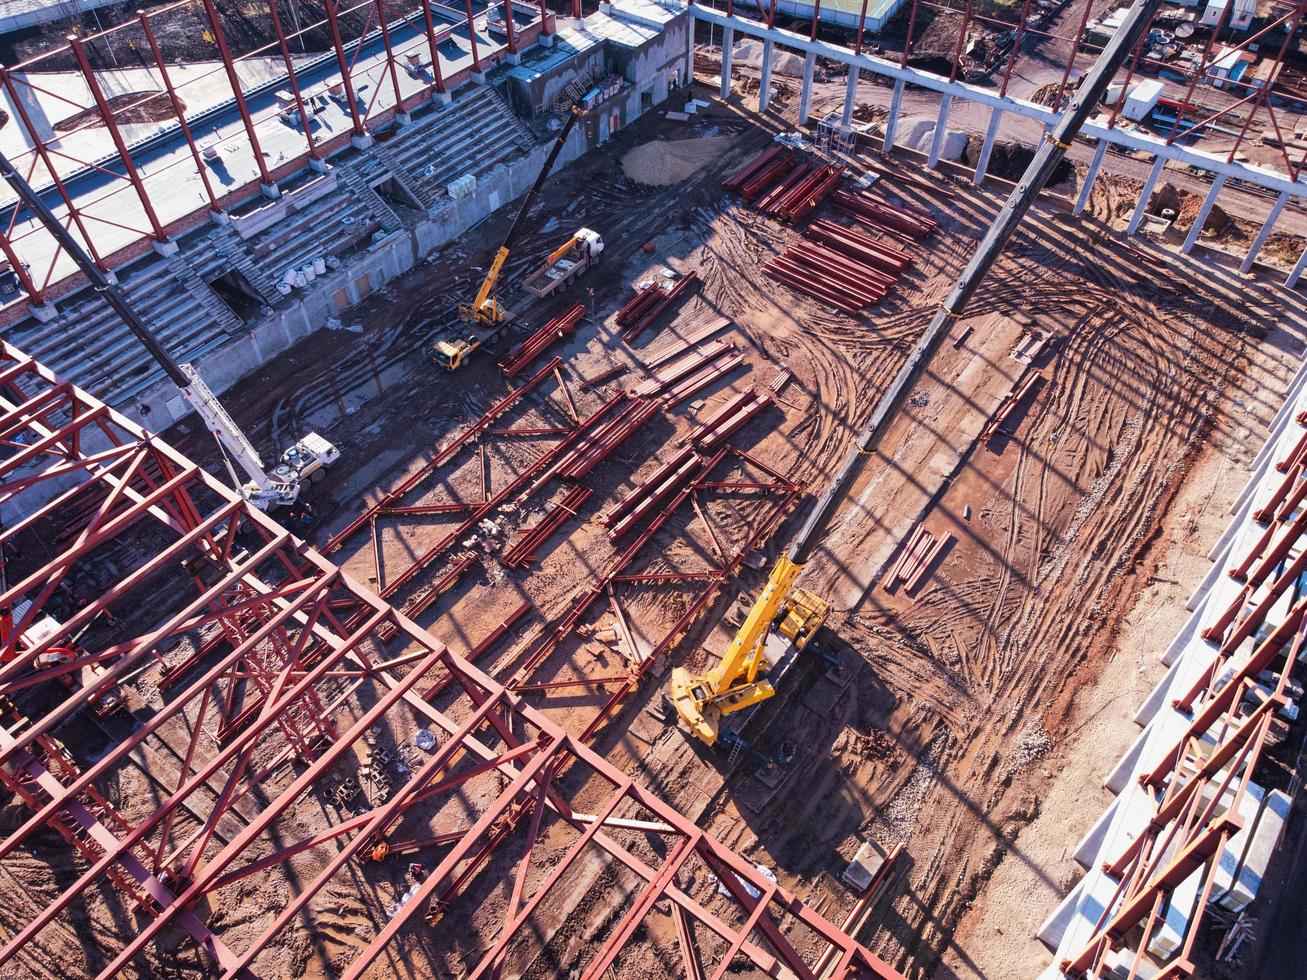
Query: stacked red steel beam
{"points": [[521, 356], [1014, 398], [805, 195], [639, 314], [878, 211], [691, 372], [643, 499], [915, 560], [797, 177], [828, 276], [755, 166], [729, 419], [524, 548], [765, 176], [856, 245], [598, 443]]}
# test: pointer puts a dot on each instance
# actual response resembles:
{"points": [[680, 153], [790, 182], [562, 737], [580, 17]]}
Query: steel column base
{"points": [[441, 98], [220, 218], [361, 141], [270, 191], [166, 247], [44, 312], [319, 165]]}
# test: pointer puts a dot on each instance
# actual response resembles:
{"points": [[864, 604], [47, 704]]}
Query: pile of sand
{"points": [[782, 62], [659, 163]]}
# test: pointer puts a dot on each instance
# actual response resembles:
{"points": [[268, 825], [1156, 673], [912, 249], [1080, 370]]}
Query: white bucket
{"points": [[320, 265], [284, 288]]}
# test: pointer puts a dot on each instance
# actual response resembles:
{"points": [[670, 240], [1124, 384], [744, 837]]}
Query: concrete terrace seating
{"points": [[332, 225], [470, 135], [91, 346]]}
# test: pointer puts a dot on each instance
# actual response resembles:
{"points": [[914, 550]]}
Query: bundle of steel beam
{"points": [[729, 419], [754, 167], [521, 356], [801, 197], [828, 276], [766, 176], [638, 304], [768, 202], [856, 245], [649, 309], [529, 540], [915, 560], [669, 380], [641, 501], [597, 444], [878, 211], [687, 341], [641, 492], [1014, 398]]}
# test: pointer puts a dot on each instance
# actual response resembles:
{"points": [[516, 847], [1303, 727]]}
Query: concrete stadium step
{"points": [[471, 135], [333, 225], [91, 345], [359, 181]]}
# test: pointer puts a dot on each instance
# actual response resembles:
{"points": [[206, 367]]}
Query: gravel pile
{"points": [[659, 163]]}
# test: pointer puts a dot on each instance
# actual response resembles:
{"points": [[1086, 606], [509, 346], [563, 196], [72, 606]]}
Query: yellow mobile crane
{"points": [[485, 316], [784, 618]]}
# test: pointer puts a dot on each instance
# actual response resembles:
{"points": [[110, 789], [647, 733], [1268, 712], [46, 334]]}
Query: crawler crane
{"points": [[784, 618]]}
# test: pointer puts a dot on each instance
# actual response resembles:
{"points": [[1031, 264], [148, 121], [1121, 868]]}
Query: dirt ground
{"points": [[969, 720]]}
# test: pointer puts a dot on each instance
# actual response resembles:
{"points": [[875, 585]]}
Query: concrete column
{"points": [[728, 42], [850, 96], [170, 247], [764, 85], [982, 165], [1265, 233], [895, 104], [271, 191], [941, 125], [805, 91], [688, 79], [1192, 238], [1090, 176], [1297, 272], [1141, 208]]}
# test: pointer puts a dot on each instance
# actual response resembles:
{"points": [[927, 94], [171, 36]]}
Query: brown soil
{"points": [[133, 107], [953, 704]]}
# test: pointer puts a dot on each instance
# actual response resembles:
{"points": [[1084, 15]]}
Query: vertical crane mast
{"points": [[734, 684]]}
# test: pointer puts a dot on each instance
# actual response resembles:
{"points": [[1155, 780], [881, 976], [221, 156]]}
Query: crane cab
{"points": [[450, 354], [706, 702]]}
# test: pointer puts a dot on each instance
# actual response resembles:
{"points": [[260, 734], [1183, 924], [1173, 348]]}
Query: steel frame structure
{"points": [[336, 663], [1196, 788], [572, 448], [118, 204]]}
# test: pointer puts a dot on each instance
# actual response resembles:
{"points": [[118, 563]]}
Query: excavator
{"points": [[785, 617], [486, 316]]}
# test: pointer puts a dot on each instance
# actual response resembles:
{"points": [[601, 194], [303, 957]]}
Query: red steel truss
{"points": [[308, 670], [1199, 784]]}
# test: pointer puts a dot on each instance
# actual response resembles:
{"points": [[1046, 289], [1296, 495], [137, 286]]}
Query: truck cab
{"points": [[308, 459]]}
